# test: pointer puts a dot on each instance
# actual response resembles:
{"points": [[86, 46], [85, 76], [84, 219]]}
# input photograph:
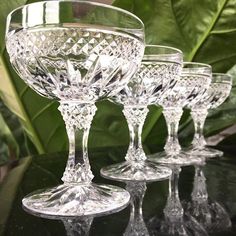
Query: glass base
{"points": [[70, 200], [182, 159], [206, 152], [129, 171]]}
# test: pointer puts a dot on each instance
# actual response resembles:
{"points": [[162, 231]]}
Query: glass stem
{"points": [[173, 210], [78, 226], [199, 117], [172, 117], [135, 117], [78, 118], [199, 193]]}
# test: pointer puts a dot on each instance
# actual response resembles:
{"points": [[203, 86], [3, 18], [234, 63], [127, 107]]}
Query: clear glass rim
{"points": [[163, 53], [196, 65], [92, 3], [175, 50], [221, 78], [195, 68]]}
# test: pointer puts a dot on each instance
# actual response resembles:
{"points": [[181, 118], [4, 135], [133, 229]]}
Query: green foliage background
{"points": [[205, 30]]}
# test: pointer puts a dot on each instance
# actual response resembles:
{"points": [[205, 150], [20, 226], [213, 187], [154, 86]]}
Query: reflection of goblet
{"points": [[160, 67], [210, 214], [175, 222], [76, 52], [136, 226], [77, 226], [217, 93], [190, 86]]}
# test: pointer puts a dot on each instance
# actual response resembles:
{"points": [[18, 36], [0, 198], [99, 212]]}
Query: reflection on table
{"points": [[155, 208]]}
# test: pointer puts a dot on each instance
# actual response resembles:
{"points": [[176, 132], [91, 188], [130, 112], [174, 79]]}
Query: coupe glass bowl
{"points": [[75, 52]]}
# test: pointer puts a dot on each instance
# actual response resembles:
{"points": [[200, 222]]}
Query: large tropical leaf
{"points": [[38, 115], [17, 140], [9, 188], [7, 143]]}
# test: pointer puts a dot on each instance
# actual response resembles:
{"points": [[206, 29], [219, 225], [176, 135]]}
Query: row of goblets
{"points": [[191, 86], [81, 51]]}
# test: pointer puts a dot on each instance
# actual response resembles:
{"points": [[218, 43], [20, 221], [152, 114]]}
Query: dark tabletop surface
{"points": [[42, 171]]}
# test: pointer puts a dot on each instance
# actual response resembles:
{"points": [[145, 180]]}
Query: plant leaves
{"points": [[21, 144], [4, 152], [9, 188], [33, 111]]}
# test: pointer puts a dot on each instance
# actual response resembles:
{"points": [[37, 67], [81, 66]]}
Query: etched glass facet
{"points": [[76, 52], [74, 63], [159, 70], [213, 97]]}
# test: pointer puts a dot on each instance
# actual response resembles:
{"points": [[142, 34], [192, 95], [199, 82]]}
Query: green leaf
{"points": [[8, 190], [21, 144], [39, 116], [4, 153]]}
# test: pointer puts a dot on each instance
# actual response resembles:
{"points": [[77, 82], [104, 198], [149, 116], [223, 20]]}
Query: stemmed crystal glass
{"points": [[136, 225], [175, 221], [217, 93], [189, 87], [210, 214], [160, 68], [75, 52]]}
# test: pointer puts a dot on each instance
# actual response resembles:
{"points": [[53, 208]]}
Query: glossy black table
{"points": [[42, 171]]}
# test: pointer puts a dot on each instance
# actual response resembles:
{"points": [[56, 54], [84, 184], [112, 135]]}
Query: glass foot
{"points": [[206, 152], [182, 159], [133, 171], [70, 200]]}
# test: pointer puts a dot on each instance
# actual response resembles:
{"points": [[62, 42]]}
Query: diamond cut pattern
{"points": [[149, 83], [188, 90], [67, 62]]}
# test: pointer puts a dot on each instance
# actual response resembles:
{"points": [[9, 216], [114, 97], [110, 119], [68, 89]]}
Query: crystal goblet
{"points": [[190, 86], [216, 94], [210, 214], [75, 52], [158, 71]]}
